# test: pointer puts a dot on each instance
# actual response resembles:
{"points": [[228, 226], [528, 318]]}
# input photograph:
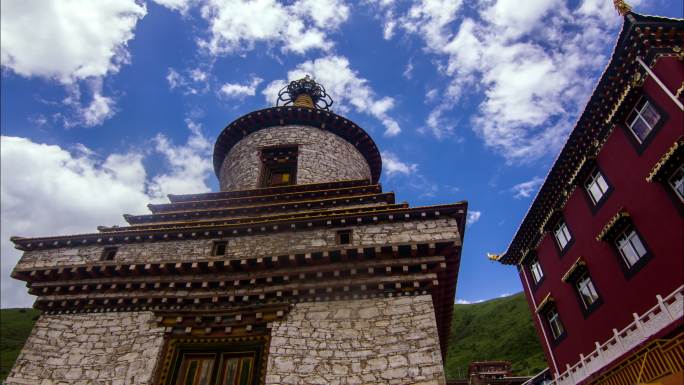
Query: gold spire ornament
{"points": [[622, 7], [305, 92], [303, 100]]}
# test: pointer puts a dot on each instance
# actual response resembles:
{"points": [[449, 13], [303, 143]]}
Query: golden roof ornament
{"points": [[305, 92], [622, 7]]}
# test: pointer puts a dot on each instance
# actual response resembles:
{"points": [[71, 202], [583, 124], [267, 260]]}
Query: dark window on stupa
{"points": [[279, 166], [219, 248], [215, 361], [344, 237], [109, 253]]}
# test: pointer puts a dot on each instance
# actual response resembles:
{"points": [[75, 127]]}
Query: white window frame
{"points": [[596, 186], [536, 271], [629, 245], [638, 114], [586, 290], [555, 324], [562, 235], [677, 185]]}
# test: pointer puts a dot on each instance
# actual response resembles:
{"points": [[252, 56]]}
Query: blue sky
{"points": [[109, 105]]}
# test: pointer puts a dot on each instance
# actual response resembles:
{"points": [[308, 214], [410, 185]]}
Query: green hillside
{"points": [[498, 329], [15, 326]]}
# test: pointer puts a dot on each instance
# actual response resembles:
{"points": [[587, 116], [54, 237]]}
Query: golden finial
{"points": [[305, 92], [493, 257], [622, 7], [303, 100]]}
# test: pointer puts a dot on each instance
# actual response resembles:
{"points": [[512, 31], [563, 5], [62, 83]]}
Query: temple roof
{"points": [[648, 37], [204, 216], [252, 284]]}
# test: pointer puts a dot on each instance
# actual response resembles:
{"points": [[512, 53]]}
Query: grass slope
{"points": [[498, 329], [15, 326]]}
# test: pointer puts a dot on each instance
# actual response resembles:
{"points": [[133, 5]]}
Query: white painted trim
{"points": [[662, 86], [666, 311], [541, 324]]}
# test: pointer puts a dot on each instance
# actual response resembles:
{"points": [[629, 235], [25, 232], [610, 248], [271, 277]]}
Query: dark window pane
{"points": [[109, 253], [344, 237], [219, 248], [650, 115]]}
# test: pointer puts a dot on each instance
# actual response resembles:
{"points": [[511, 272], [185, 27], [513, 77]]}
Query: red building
{"points": [[601, 250]]}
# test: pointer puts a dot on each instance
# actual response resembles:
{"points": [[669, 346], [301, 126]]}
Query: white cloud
{"points": [[198, 75], [515, 18], [70, 42], [49, 190], [408, 71], [535, 63], [194, 81], [237, 25], [392, 165], [466, 302], [176, 5], [189, 165], [437, 124], [473, 216], [99, 109], [237, 91], [345, 86], [525, 189], [67, 40], [174, 78]]}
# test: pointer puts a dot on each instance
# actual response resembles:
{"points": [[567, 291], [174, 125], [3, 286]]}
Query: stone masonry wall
{"points": [[323, 157], [85, 349], [250, 246], [370, 341]]}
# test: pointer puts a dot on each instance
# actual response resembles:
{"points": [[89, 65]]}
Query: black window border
{"points": [[215, 245], [586, 311], [527, 264], [595, 207], [631, 271], [338, 236], [105, 256], [555, 341], [641, 147], [268, 168], [564, 250], [676, 200], [174, 348]]}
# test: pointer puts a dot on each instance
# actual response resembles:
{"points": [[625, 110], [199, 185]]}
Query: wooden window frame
{"points": [[555, 339], [630, 270], [568, 244], [270, 167], [574, 280], [339, 237], [109, 253], [217, 246], [671, 188], [536, 263], [175, 348], [593, 204], [527, 261], [640, 146]]}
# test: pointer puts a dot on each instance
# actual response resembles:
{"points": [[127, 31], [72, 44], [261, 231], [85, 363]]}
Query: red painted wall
{"points": [[656, 216]]}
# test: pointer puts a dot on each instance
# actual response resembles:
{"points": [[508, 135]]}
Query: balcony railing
{"points": [[659, 358], [664, 313]]}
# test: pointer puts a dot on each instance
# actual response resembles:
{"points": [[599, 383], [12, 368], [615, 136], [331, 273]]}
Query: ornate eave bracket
{"points": [[673, 158], [614, 225]]}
